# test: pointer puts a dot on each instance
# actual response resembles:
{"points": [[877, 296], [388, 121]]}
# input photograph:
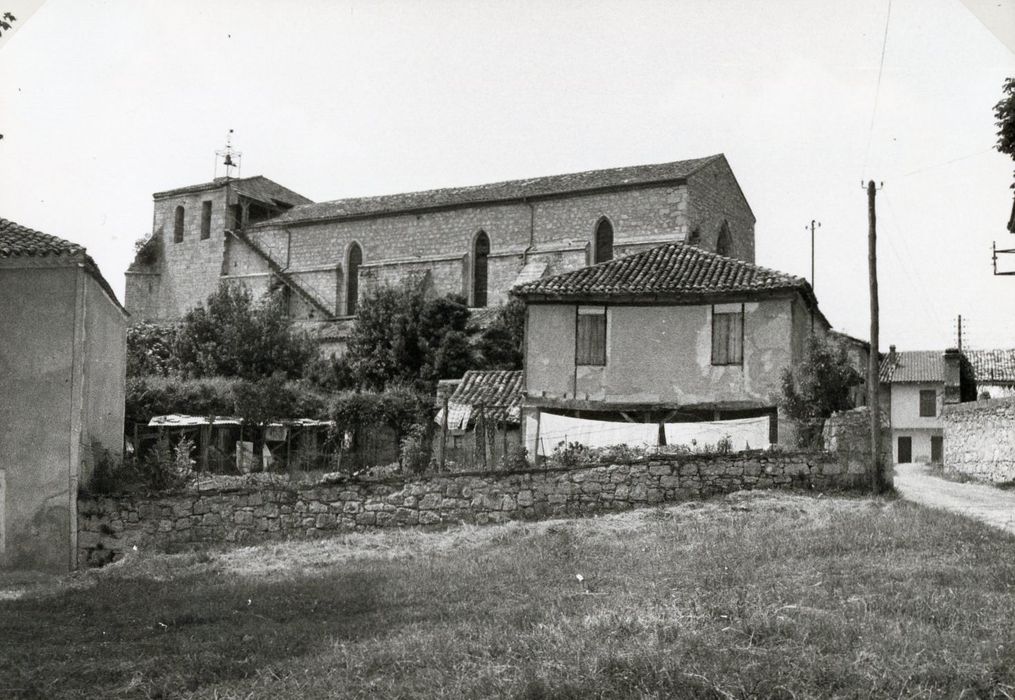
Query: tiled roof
{"points": [[672, 269], [499, 392], [913, 366], [17, 240], [992, 366], [510, 190], [257, 187]]}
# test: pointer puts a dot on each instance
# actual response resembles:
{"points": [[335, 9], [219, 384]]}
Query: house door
{"points": [[905, 450], [937, 444]]}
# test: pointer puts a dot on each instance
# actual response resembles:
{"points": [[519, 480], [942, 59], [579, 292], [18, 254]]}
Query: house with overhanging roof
{"points": [[668, 335], [63, 351], [477, 241], [481, 419], [916, 386]]}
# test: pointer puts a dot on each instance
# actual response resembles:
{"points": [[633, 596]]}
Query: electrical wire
{"points": [[877, 90]]}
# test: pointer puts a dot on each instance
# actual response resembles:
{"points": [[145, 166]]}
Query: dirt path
{"points": [[985, 503]]}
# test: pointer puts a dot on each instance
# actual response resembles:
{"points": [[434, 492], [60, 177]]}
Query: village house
{"points": [[62, 378], [916, 386], [477, 241], [670, 335], [994, 372], [483, 418]]}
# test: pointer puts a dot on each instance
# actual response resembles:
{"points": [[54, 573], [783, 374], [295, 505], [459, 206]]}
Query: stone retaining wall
{"points": [[979, 439], [110, 525]]}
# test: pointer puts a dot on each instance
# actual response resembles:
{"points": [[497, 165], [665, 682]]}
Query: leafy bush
{"points": [[817, 387], [501, 344], [570, 454], [618, 454], [724, 446], [151, 350], [516, 458], [414, 453], [232, 336]]}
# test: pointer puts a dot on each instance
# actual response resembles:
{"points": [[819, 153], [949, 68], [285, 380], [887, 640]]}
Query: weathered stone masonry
{"points": [[979, 438], [110, 525]]}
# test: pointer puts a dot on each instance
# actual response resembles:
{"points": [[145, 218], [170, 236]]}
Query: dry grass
{"points": [[762, 594]]}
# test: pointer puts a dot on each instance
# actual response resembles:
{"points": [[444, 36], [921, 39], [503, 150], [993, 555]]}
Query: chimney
{"points": [[953, 376], [891, 354]]}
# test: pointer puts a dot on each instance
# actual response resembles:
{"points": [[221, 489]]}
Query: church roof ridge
{"points": [[507, 190]]}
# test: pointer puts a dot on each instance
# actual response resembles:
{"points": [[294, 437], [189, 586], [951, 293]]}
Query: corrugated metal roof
{"points": [[498, 191], [672, 268], [913, 366]]}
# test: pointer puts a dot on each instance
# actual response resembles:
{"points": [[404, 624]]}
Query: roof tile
{"points": [[17, 240], [497, 191], [913, 366], [992, 366], [672, 268]]}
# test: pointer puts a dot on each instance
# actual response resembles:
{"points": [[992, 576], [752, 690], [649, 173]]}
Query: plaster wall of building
{"points": [[907, 421], [661, 354], [62, 362]]}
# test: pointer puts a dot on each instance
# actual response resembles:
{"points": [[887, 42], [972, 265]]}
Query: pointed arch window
{"points": [[178, 225], [352, 279], [604, 241], [480, 269], [724, 242]]}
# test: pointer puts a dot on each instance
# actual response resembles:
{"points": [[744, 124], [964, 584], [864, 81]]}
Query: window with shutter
{"points": [[928, 403], [590, 338], [728, 334]]}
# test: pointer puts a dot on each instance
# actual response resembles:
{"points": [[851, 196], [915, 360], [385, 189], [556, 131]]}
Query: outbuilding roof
{"points": [[992, 366], [20, 243], [17, 241], [670, 271], [510, 190], [913, 366], [499, 392]]}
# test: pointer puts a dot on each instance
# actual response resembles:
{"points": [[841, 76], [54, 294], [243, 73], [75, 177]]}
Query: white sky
{"points": [[104, 103]]}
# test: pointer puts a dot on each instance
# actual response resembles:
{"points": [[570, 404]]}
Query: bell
{"points": [[229, 160]]}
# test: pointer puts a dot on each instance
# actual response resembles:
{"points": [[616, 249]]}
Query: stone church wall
{"points": [[716, 197]]}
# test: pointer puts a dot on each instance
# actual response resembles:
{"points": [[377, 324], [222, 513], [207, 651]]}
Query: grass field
{"points": [[754, 595]]}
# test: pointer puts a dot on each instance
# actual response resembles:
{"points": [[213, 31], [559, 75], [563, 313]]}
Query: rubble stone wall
{"points": [[979, 438], [110, 525]]}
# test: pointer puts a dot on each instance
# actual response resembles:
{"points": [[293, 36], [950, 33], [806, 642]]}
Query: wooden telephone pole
{"points": [[873, 362]]}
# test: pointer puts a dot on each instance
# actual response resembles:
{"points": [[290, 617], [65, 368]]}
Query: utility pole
{"points": [[873, 362], [813, 224], [960, 332]]}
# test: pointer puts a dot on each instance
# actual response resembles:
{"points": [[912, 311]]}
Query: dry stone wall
{"points": [[108, 526], [979, 438]]}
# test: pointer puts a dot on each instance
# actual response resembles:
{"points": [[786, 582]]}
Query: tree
{"points": [[260, 402], [817, 387], [401, 337], [232, 336], [151, 350], [1004, 112], [501, 345]]}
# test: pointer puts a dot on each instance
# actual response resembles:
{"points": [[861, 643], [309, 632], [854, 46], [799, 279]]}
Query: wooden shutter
{"points": [[727, 337], [590, 341], [928, 403]]}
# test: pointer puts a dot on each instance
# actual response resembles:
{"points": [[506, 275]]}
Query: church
{"points": [[478, 241]]}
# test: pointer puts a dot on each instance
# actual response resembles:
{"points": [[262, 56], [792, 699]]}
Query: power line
{"points": [[877, 90]]}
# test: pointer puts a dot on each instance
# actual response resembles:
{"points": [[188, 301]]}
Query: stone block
{"points": [[368, 518], [428, 517], [525, 498], [430, 501]]}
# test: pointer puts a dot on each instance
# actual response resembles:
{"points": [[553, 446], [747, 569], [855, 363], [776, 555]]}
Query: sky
{"points": [[103, 103]]}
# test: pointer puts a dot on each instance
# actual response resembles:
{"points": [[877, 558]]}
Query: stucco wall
{"points": [[979, 439], [905, 406], [660, 354], [110, 526], [36, 387], [105, 363]]}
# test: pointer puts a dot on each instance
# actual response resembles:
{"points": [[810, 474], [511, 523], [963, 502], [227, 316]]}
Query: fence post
{"points": [[205, 445], [480, 431], [444, 436]]}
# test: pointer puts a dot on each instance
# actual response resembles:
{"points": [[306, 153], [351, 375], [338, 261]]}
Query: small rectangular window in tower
{"points": [[590, 338], [205, 220], [728, 334], [928, 403]]}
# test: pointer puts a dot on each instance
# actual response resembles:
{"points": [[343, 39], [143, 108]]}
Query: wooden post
{"points": [[504, 442], [873, 380], [205, 437], [480, 433], [536, 442], [442, 458]]}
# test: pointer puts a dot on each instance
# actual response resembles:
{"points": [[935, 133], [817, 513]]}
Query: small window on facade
{"points": [[724, 242], [352, 279], [695, 237], [928, 403], [480, 265], [590, 339], [604, 242], [728, 334], [178, 225], [205, 220]]}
